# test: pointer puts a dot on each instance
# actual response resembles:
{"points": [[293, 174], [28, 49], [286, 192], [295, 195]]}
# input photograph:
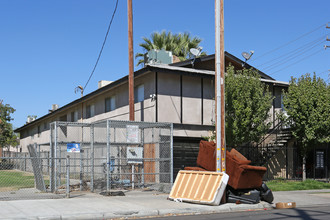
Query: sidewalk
{"points": [[139, 204]]}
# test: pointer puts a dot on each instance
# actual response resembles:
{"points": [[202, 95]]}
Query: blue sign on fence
{"points": [[73, 147]]}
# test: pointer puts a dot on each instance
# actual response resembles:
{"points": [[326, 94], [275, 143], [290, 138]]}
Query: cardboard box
{"points": [[285, 205]]}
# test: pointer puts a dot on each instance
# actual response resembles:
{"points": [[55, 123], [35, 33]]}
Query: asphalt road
{"points": [[315, 212]]}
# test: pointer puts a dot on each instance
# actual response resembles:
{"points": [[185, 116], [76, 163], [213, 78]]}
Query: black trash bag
{"points": [[266, 194], [244, 196]]}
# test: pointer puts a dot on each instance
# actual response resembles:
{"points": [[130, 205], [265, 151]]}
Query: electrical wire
{"points": [[297, 61], [105, 39], [283, 57], [264, 54], [325, 71], [289, 58]]}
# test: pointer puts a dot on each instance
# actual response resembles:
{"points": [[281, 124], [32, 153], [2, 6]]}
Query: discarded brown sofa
{"points": [[206, 157], [241, 174]]}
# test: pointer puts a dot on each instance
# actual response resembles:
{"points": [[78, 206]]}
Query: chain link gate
{"points": [[110, 155]]}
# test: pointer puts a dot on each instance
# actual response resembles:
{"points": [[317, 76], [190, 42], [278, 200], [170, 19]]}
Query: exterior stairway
{"points": [[278, 141], [261, 153]]}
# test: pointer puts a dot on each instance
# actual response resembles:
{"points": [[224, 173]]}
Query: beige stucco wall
{"points": [[143, 110], [192, 100], [208, 102], [196, 98], [196, 109], [169, 106]]}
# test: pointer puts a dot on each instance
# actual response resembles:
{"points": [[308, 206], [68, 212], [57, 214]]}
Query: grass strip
{"points": [[14, 180], [289, 185]]}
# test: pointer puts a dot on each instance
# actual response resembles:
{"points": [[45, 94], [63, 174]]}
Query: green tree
{"points": [[247, 105], [7, 135], [179, 44], [307, 103]]}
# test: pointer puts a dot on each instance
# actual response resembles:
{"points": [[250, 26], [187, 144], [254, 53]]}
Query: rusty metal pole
{"points": [[130, 61], [219, 87]]}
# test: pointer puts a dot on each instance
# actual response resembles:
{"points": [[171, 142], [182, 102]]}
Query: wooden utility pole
{"points": [[220, 87], [130, 61]]}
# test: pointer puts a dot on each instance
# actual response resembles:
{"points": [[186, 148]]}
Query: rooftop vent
{"points": [[31, 118], [103, 83], [54, 108]]}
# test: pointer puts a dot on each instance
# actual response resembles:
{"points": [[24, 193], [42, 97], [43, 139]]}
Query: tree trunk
{"points": [[304, 168]]}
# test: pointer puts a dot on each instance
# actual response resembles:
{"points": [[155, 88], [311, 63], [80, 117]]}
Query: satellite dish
{"points": [[246, 55], [195, 51]]}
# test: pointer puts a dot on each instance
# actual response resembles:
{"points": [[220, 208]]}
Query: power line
{"points": [[289, 58], [325, 71], [105, 39], [255, 58], [293, 51], [297, 61]]}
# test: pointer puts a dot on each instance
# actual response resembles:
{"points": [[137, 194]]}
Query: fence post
{"points": [[25, 162], [55, 157], [81, 170], [314, 161], [287, 161], [108, 156], [52, 161], [171, 135], [268, 167], [92, 157], [142, 168], [48, 163], [81, 158], [67, 176], [327, 163], [133, 178]]}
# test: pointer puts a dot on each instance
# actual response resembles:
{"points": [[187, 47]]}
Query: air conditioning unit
{"points": [[158, 57]]}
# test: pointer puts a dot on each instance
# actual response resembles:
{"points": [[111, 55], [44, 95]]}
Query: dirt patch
{"points": [[6, 189]]}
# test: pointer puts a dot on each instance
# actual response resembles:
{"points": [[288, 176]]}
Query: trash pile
{"points": [[245, 183]]}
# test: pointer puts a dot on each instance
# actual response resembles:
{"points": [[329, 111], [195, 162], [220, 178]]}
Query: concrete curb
{"points": [[156, 212], [137, 205]]}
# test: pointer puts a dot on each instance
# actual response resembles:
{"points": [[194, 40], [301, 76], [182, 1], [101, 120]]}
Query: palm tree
{"points": [[179, 44]]}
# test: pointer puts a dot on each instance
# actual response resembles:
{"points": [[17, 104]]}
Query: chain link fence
{"points": [[111, 155], [103, 156], [25, 175]]}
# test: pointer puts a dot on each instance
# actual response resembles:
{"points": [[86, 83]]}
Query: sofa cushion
{"points": [[207, 155], [239, 157], [234, 152], [242, 162]]}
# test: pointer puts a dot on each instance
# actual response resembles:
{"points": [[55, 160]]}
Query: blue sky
{"points": [[47, 48]]}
